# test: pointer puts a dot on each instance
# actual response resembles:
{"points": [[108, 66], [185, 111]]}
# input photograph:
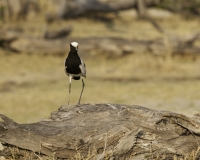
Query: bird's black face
{"points": [[74, 46]]}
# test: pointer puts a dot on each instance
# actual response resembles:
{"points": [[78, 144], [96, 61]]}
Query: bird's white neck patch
{"points": [[74, 44]]}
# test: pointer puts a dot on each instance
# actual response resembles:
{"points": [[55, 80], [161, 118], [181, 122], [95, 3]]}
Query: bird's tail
{"points": [[76, 78]]}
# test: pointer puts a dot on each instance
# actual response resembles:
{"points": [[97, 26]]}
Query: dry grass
{"points": [[92, 155], [37, 85], [32, 86]]}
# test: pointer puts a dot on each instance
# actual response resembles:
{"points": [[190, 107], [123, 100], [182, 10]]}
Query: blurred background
{"points": [[137, 52]]}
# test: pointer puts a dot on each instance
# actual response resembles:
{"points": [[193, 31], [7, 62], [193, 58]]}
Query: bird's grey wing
{"points": [[65, 69], [83, 68]]}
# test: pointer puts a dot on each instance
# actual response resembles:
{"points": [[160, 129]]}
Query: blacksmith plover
{"points": [[75, 67]]}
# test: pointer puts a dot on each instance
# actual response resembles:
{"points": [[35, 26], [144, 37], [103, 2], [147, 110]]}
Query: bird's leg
{"points": [[83, 85], [70, 80]]}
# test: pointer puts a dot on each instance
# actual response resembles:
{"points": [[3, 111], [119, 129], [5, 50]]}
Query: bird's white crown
{"points": [[74, 44]]}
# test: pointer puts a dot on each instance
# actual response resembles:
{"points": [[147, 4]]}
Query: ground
{"points": [[32, 86]]}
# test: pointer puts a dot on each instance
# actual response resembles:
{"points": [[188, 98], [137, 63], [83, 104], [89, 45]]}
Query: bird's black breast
{"points": [[72, 63]]}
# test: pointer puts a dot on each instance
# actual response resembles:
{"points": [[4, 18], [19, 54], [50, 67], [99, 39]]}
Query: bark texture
{"points": [[117, 131]]}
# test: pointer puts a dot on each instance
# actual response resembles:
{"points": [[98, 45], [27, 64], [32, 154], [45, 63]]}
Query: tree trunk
{"points": [[112, 130]]}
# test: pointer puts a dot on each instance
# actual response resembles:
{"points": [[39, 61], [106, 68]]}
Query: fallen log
{"points": [[112, 130], [107, 46], [57, 34], [55, 42], [70, 8]]}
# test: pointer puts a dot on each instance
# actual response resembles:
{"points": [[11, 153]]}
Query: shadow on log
{"points": [[117, 131]]}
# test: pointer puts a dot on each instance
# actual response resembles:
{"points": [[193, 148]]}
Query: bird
{"points": [[75, 68]]}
